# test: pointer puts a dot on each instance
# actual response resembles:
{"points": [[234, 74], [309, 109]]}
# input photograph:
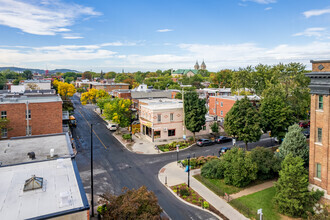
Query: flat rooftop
{"points": [[30, 99], [62, 190], [14, 151], [161, 104]]}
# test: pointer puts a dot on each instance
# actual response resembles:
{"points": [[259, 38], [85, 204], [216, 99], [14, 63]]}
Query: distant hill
{"points": [[18, 69]]}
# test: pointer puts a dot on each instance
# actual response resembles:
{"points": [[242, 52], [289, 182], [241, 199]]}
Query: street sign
{"points": [[177, 148], [234, 141], [259, 211]]}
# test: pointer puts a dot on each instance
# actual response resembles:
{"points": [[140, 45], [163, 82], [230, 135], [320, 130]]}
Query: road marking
{"points": [[93, 130]]}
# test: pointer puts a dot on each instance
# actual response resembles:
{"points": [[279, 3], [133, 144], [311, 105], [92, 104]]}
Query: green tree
{"points": [[242, 79], [87, 75], [294, 143], [292, 197], [276, 114], [102, 101], [132, 204], [194, 111], [213, 169], [110, 75], [4, 123], [27, 74], [240, 169], [68, 79], [243, 122], [70, 74], [214, 127], [118, 111], [268, 164]]}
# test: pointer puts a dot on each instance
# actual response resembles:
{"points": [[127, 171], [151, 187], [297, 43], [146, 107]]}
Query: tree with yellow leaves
{"points": [[66, 90], [118, 111], [92, 96]]}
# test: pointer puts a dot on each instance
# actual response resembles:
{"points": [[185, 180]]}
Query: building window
{"points": [[217, 103], [159, 118], [156, 134], [28, 130], [221, 113], [221, 104], [318, 170], [319, 135], [28, 114], [3, 114], [204, 127], [321, 102], [171, 117], [171, 132], [4, 133]]}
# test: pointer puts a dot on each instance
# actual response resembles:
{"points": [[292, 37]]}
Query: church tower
{"points": [[203, 66], [196, 65]]}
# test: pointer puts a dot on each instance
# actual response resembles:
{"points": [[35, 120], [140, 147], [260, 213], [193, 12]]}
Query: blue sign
{"points": [[187, 168]]}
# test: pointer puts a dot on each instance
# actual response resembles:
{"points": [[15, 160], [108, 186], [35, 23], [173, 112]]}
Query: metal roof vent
{"points": [[33, 183], [32, 155]]}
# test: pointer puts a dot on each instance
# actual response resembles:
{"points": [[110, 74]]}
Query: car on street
{"points": [[223, 139], [306, 132], [112, 127], [204, 142], [223, 150]]}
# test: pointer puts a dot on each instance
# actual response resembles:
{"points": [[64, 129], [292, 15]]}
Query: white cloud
{"points": [[268, 8], [44, 18], [71, 36], [312, 32], [118, 43], [261, 1], [164, 30], [316, 12]]}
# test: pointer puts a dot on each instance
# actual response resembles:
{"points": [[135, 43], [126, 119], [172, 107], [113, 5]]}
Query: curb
{"points": [[187, 203]]}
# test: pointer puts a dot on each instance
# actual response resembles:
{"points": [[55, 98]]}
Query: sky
{"points": [[132, 35]]}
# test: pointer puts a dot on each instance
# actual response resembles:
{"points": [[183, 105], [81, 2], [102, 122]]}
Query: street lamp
{"points": [[177, 153], [188, 170], [92, 190]]}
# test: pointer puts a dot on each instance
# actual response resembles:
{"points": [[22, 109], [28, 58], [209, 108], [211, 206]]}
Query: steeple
{"points": [[203, 66], [196, 67]]}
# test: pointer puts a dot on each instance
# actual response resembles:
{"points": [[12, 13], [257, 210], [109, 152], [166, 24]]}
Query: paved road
{"points": [[115, 167]]}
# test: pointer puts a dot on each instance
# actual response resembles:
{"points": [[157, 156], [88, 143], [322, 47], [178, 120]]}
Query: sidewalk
{"points": [[253, 189], [173, 175]]}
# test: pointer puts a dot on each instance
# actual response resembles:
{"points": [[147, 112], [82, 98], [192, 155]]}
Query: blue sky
{"points": [[162, 34]]}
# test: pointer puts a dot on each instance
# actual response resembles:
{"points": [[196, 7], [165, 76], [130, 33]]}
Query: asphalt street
{"points": [[115, 167]]}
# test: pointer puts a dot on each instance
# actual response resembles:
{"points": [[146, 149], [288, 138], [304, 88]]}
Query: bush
{"points": [[206, 205], [127, 136], [240, 169], [268, 164], [101, 209], [213, 169], [184, 192]]}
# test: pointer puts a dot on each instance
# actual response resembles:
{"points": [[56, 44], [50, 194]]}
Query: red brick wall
{"points": [[325, 69], [109, 88], [46, 118], [227, 105], [124, 95]]}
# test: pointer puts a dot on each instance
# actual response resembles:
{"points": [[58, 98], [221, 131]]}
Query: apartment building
{"points": [[319, 152], [31, 115], [219, 106]]}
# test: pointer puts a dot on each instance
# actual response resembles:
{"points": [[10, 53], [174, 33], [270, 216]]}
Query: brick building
{"points": [[108, 87], [31, 115], [219, 106], [319, 145]]}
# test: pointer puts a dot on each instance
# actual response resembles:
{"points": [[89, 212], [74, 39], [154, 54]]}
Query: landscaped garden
{"points": [[198, 162], [172, 146], [189, 195]]}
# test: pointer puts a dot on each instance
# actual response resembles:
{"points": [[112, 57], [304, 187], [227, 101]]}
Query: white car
{"points": [[112, 127]]}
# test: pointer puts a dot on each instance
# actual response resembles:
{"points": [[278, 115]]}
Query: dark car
{"points": [[304, 124], [223, 150], [306, 132], [223, 139], [204, 142]]}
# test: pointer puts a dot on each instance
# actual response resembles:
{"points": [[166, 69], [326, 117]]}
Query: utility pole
{"points": [[188, 170], [184, 124], [92, 188]]}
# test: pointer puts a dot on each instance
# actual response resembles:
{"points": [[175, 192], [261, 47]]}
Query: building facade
{"points": [[31, 115], [108, 87], [319, 152]]}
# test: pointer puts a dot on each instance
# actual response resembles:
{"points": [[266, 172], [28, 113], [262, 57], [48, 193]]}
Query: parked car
{"points": [[223, 139], [223, 150], [304, 124], [112, 127], [204, 142], [306, 132]]}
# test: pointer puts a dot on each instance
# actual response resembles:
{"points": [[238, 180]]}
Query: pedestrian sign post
{"points": [[260, 213]]}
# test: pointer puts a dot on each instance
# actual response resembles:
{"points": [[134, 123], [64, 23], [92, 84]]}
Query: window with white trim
{"points": [[319, 135], [3, 114], [318, 170], [4, 133]]}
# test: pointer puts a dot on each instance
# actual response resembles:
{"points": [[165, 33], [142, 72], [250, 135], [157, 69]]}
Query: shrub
{"points": [[240, 169], [184, 192], [194, 201], [184, 197], [127, 136], [206, 205], [268, 164], [213, 169], [101, 209]]}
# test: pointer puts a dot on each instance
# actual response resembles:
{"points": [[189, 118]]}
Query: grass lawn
{"points": [[218, 186], [255, 201]]}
